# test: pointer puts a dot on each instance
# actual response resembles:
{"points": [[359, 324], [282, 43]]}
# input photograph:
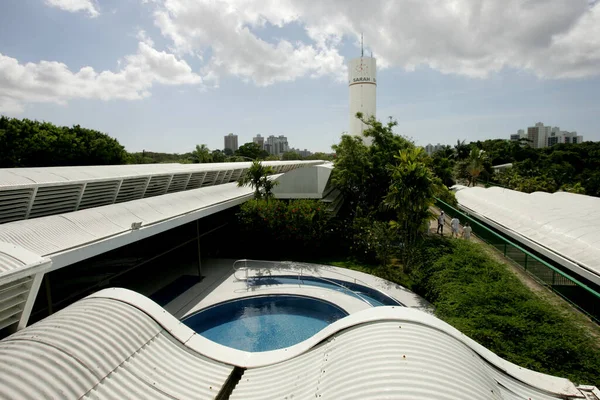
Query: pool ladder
{"points": [[259, 264]]}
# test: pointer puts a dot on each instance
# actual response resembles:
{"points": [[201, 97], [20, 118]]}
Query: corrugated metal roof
{"points": [[57, 233], [395, 360], [27, 193], [104, 348], [164, 369], [126, 346], [27, 177], [564, 223]]}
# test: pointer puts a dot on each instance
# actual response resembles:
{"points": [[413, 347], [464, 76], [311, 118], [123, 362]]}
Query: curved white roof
{"points": [[564, 223], [118, 344]]}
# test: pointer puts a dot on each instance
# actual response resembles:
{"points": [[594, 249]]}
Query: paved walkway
{"points": [[219, 284]]}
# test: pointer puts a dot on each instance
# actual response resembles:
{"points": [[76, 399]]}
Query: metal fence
{"points": [[573, 290]]}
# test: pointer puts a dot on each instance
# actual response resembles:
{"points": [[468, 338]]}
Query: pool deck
{"points": [[220, 284]]}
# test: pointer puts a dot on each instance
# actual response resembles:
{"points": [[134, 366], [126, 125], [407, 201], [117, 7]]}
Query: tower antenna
{"points": [[361, 45]]}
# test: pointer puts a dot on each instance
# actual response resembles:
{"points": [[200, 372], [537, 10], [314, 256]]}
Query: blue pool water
{"points": [[264, 323], [374, 297]]}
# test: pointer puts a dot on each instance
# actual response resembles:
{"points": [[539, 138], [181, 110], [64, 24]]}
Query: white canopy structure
{"points": [[311, 182], [36, 192], [562, 226], [117, 344]]}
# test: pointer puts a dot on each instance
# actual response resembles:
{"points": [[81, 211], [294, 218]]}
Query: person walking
{"points": [[467, 231], [440, 228], [454, 224]]}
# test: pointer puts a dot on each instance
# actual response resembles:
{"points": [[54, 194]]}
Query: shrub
{"points": [[481, 298], [287, 227]]}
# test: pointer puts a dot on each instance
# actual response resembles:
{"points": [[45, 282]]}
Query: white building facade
{"points": [[362, 81], [540, 136]]}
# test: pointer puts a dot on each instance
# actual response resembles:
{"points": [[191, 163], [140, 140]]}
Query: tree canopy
{"points": [[251, 150], [569, 167], [26, 143]]}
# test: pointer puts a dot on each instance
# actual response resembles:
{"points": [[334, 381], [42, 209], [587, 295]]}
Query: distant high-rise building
{"points": [[430, 149], [231, 142], [277, 145], [558, 136], [540, 136], [259, 140], [519, 135]]}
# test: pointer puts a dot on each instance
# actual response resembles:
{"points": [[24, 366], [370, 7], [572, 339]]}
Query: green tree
{"points": [[228, 152], [217, 156], [320, 156], [26, 143], [443, 168], [461, 150], [352, 168], [475, 165], [257, 177], [291, 155], [201, 154], [251, 150], [411, 193]]}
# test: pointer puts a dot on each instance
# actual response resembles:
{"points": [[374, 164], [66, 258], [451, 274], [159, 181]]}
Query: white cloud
{"points": [[225, 28], [88, 6], [551, 38], [50, 81]]}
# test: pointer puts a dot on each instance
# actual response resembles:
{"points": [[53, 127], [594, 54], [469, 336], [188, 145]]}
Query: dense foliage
{"points": [[26, 143], [391, 182], [569, 167], [481, 298], [286, 228]]}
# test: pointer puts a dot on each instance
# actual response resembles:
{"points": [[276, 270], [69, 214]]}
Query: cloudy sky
{"points": [[165, 75]]}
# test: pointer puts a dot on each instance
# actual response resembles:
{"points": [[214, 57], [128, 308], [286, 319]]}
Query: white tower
{"points": [[362, 82]]}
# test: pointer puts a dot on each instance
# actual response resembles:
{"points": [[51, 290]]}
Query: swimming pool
{"points": [[374, 297], [264, 323]]}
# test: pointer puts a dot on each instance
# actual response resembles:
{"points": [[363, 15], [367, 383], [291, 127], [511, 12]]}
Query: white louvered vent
{"points": [[12, 301], [178, 183], [209, 179], [52, 200], [220, 177], [131, 189], [98, 194], [158, 185], [14, 204], [227, 178], [196, 180], [236, 174]]}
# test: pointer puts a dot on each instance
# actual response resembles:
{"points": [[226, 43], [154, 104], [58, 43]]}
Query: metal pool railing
{"points": [[580, 295], [299, 270]]}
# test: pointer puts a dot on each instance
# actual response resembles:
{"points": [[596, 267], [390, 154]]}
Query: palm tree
{"points": [[201, 154], [257, 178], [475, 165], [462, 150], [411, 193]]}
